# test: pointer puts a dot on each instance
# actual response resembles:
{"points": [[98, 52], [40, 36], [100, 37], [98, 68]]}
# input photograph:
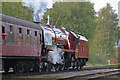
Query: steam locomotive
{"points": [[27, 46]]}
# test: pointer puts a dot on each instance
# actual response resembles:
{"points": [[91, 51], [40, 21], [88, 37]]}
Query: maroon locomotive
{"points": [[27, 46]]}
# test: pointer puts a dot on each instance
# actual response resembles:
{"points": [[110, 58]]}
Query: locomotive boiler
{"points": [[27, 46]]}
